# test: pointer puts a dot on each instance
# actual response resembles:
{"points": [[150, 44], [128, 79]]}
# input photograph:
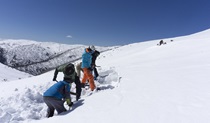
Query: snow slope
{"points": [[10, 74], [143, 83]]}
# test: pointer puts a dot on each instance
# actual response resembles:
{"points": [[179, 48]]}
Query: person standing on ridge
{"points": [[70, 75]]}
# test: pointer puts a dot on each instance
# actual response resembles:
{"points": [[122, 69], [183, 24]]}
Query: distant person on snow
{"points": [[69, 75], [87, 68], [95, 54], [161, 42], [56, 95]]}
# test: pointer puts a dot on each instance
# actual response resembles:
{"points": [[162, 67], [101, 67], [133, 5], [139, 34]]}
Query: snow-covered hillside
{"points": [[38, 57], [141, 82], [10, 74]]}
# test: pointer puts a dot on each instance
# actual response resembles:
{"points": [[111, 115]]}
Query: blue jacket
{"points": [[86, 59], [60, 90]]}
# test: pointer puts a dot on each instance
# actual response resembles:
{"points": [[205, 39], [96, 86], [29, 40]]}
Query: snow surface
{"points": [[9, 74], [140, 82]]}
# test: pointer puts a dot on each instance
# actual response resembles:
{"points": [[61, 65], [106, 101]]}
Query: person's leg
{"points": [[50, 109], [58, 105], [85, 77], [90, 79], [95, 73], [78, 87]]}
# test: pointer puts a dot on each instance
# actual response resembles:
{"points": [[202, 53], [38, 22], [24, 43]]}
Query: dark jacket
{"points": [[69, 77], [95, 54]]}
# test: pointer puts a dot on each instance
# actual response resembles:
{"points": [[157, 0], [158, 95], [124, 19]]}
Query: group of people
{"points": [[57, 94]]}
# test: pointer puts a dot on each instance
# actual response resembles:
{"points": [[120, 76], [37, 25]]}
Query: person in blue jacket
{"points": [[56, 95], [87, 68]]}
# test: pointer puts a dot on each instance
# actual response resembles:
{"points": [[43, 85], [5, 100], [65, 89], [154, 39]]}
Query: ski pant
{"points": [[78, 87], [54, 104], [95, 72], [88, 76]]}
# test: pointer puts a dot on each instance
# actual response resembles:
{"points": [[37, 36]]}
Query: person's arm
{"points": [[58, 69], [55, 75], [97, 53]]}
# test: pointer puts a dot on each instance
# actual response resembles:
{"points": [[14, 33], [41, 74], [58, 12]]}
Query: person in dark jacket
{"points": [[56, 95], [70, 75], [95, 54]]}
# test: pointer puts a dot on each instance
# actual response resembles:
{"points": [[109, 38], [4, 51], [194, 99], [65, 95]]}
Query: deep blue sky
{"points": [[101, 22]]}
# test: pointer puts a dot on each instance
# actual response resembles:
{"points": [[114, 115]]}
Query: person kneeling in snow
{"points": [[56, 95]]}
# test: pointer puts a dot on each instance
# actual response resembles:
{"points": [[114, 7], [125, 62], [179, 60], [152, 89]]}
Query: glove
{"points": [[69, 103]]}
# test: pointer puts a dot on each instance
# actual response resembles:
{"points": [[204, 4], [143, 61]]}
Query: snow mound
{"points": [[27, 104], [23, 104]]}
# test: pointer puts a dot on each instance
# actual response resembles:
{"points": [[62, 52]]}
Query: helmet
{"points": [[92, 47]]}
